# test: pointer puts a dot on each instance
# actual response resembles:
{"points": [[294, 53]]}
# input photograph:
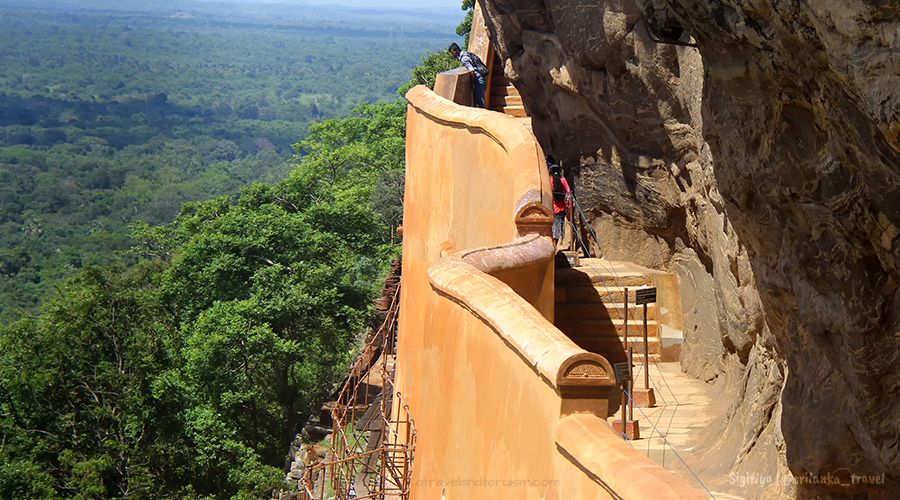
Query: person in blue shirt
{"points": [[479, 72]]}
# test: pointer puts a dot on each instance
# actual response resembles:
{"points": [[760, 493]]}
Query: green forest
{"points": [[109, 118], [187, 373], [195, 216]]}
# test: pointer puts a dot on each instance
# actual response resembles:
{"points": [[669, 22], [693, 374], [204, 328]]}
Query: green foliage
{"points": [[112, 119], [24, 479], [187, 374], [465, 27], [75, 384], [438, 62], [426, 72]]}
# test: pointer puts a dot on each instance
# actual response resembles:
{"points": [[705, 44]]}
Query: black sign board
{"points": [[645, 296], [622, 372]]}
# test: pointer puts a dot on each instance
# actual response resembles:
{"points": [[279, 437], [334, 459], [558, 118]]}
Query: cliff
{"points": [[763, 167]]}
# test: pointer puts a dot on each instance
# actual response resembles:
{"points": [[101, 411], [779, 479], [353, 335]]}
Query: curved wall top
{"points": [[498, 174]]}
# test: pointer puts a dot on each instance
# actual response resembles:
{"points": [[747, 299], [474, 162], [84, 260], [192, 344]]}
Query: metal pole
{"points": [[630, 384], [571, 215], [406, 471], [626, 319], [646, 353], [624, 406]]}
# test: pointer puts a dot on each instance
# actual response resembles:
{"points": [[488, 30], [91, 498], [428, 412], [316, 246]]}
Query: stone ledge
{"points": [[465, 278]]}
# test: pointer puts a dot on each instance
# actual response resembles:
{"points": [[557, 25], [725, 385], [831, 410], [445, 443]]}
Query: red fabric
{"points": [[560, 206]]}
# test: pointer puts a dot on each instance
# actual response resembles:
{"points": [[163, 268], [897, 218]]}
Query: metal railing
{"points": [[373, 435]]}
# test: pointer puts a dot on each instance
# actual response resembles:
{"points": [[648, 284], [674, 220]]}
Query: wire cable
{"points": [[666, 441]]}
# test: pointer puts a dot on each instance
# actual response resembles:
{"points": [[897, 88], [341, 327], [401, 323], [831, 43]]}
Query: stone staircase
{"points": [[504, 97], [590, 308]]}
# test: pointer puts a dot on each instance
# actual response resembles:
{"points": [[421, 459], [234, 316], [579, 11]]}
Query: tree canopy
{"points": [[110, 118], [187, 374], [183, 367], [465, 27]]}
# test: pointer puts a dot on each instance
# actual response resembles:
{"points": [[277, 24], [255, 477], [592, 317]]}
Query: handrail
{"points": [[466, 279], [584, 220]]}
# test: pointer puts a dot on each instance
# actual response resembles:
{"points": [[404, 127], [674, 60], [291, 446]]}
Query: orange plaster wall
{"points": [[488, 418], [454, 201], [457, 375], [491, 384], [455, 85], [533, 283], [593, 461]]}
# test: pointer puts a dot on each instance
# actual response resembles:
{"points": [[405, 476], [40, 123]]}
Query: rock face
{"points": [[764, 168]]}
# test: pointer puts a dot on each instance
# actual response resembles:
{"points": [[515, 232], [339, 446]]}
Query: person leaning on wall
{"points": [[479, 71], [562, 198]]}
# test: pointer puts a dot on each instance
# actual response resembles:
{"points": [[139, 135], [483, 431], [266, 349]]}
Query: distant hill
{"points": [[290, 10]]}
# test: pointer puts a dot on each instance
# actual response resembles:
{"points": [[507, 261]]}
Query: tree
{"points": [[188, 373], [465, 27], [85, 151], [426, 72], [77, 411], [185, 373]]}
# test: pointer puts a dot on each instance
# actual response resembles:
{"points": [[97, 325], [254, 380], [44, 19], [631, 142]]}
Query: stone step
{"points": [[633, 340], [605, 310], [589, 276], [616, 266], [501, 88], [506, 100], [620, 357], [605, 346], [566, 258], [574, 294], [606, 327], [517, 111], [499, 79]]}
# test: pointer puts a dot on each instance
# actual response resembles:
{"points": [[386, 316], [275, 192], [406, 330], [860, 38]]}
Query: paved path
{"points": [[682, 412]]}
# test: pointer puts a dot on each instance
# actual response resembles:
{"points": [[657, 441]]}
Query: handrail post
{"points": [[625, 343], [646, 352], [631, 383], [624, 410]]}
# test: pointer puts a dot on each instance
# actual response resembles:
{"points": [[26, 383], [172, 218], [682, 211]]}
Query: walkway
{"points": [[683, 411]]}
